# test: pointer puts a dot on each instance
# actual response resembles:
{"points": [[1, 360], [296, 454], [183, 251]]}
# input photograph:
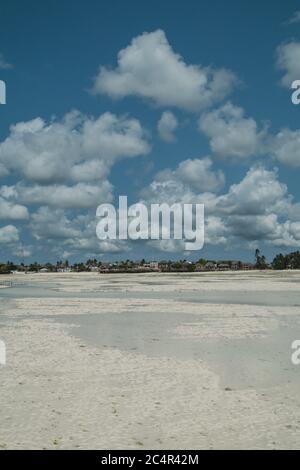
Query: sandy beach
{"points": [[151, 361]]}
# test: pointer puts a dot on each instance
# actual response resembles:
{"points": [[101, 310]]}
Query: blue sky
{"points": [[232, 143]]}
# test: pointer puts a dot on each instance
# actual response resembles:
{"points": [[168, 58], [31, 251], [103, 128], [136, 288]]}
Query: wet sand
{"points": [[150, 361]]}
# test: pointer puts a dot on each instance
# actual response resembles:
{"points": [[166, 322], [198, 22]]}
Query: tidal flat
{"points": [[150, 361]]}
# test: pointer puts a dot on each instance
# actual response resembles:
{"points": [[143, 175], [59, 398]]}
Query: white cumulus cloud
{"points": [[78, 196], [286, 147], [288, 60], [9, 234], [256, 209], [166, 126], [190, 176], [49, 153], [149, 68], [12, 211], [231, 134]]}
